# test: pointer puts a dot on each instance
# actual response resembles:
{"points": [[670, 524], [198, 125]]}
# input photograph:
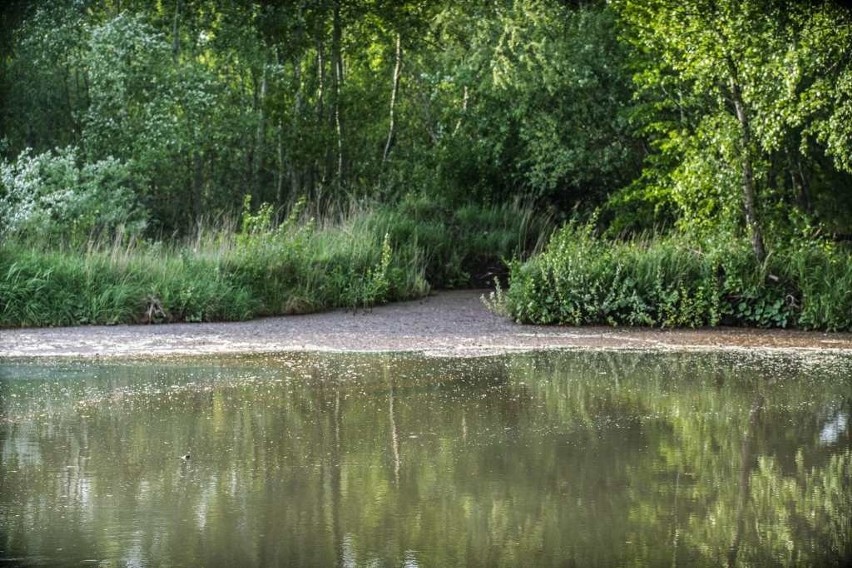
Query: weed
{"points": [[670, 281], [364, 256]]}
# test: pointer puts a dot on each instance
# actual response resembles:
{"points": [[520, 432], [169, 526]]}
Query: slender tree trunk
{"points": [[279, 152], [69, 98], [279, 163], [397, 71], [320, 80], [800, 184], [337, 58], [175, 34], [295, 182], [463, 110], [260, 135], [197, 186], [80, 97], [321, 169], [749, 193]]}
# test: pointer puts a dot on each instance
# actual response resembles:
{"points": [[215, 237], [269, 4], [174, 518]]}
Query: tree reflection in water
{"points": [[552, 458]]}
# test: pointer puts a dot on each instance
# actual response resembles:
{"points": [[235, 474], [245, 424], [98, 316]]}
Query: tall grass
{"points": [[355, 259], [101, 286], [462, 246], [675, 281]]}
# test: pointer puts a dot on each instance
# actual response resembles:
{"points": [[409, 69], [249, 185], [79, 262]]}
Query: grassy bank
{"points": [[370, 255], [356, 259], [676, 282]]}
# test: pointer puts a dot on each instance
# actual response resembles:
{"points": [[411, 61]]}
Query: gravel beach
{"points": [[450, 323]]}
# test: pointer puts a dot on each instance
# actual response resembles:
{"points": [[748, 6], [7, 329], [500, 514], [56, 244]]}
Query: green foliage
{"points": [[562, 71], [674, 281], [731, 90], [822, 282], [525, 98], [299, 265], [42, 66], [168, 115], [687, 115], [51, 197], [581, 280]]}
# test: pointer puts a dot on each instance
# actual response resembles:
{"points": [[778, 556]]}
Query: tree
{"points": [[729, 92], [562, 71], [45, 83]]}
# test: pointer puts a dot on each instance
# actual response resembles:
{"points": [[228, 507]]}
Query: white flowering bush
{"points": [[53, 195]]}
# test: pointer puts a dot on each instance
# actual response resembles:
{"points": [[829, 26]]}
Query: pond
{"points": [[565, 458]]}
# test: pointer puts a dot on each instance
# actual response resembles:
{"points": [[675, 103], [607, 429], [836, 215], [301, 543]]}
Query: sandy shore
{"points": [[446, 324]]}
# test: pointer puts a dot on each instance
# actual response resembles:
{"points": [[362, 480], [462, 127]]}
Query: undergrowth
{"points": [[356, 259], [673, 281]]}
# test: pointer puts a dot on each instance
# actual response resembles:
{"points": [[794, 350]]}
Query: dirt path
{"points": [[446, 324]]}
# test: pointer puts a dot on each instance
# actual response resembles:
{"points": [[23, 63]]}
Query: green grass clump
{"points": [[140, 284], [355, 260], [673, 281], [303, 265]]}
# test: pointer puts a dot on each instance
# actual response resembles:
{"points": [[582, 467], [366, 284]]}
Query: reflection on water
{"points": [[320, 460]]}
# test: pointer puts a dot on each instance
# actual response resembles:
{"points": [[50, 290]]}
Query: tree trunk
{"points": [[800, 184], [749, 193], [279, 152], [463, 111], [69, 98], [320, 168], [175, 34], [397, 71], [197, 187], [295, 175], [337, 56], [279, 163], [260, 135], [320, 80]]}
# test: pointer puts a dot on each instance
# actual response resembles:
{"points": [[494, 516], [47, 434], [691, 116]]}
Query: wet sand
{"points": [[453, 323]]}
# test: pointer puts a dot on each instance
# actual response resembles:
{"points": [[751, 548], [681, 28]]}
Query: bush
{"points": [[581, 280], [670, 281], [52, 197], [298, 266]]}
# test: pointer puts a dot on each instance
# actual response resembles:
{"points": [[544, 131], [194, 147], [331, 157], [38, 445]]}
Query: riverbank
{"points": [[452, 323]]}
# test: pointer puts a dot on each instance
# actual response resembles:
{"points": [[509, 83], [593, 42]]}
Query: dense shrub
{"points": [[671, 281], [51, 196]]}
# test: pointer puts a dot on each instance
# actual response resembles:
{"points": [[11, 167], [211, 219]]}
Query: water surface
{"points": [[577, 458]]}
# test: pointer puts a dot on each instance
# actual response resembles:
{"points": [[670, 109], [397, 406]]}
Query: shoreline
{"points": [[445, 324]]}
